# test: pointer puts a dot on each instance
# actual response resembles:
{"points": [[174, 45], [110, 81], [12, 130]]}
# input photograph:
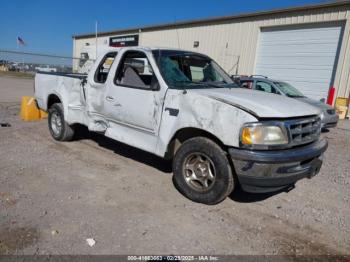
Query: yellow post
{"points": [[29, 109]]}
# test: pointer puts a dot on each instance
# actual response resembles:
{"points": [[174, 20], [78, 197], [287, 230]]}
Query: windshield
{"points": [[182, 69], [288, 89]]}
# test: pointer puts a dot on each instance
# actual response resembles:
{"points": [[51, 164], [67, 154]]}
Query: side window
{"points": [[84, 57], [266, 87], [247, 84], [135, 71], [103, 69]]}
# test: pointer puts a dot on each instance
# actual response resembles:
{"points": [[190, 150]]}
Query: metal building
{"points": [[307, 46]]}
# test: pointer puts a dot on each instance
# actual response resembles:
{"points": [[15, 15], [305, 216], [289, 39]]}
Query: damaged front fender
{"points": [[193, 110]]}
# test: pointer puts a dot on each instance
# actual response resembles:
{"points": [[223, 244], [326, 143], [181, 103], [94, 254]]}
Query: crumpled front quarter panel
{"points": [[222, 120]]}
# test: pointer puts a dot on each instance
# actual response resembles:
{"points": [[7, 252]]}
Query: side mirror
{"points": [[83, 82], [323, 100], [154, 83]]}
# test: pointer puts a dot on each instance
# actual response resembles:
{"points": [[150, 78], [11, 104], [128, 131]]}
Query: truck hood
{"points": [[258, 103]]}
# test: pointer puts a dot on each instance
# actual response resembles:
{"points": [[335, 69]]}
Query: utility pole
{"points": [[96, 25]]}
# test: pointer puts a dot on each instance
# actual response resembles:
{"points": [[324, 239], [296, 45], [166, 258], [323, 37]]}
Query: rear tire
{"points": [[58, 127], [202, 171]]}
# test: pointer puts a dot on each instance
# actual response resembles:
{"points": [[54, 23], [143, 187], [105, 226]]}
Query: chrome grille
{"points": [[303, 131]]}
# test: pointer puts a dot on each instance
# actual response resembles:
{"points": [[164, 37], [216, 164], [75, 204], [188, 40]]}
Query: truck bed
{"points": [[68, 88], [71, 75]]}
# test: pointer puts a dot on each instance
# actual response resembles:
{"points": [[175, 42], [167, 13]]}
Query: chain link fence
{"points": [[30, 63]]}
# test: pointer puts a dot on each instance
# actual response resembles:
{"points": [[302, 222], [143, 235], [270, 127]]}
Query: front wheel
{"points": [[58, 127], [202, 171]]}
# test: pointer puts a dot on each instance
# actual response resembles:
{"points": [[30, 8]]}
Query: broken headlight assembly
{"points": [[264, 135]]}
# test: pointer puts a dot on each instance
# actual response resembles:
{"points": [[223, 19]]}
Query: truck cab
{"points": [[183, 106]]}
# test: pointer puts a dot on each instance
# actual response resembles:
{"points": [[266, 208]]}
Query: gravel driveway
{"points": [[53, 196]]}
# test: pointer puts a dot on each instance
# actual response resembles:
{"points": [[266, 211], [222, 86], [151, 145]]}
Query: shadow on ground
{"points": [[125, 150], [238, 195]]}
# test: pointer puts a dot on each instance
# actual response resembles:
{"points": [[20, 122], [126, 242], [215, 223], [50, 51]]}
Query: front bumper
{"points": [[268, 171]]}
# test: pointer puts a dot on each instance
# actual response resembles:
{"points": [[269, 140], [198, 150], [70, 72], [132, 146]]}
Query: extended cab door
{"points": [[95, 92], [133, 101]]}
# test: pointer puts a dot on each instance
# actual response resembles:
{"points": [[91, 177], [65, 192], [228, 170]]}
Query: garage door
{"points": [[303, 56]]}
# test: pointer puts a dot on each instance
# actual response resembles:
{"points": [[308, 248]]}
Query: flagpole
{"points": [[17, 42], [18, 45]]}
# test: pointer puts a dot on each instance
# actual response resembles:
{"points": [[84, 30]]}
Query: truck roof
{"points": [[259, 78], [145, 48]]}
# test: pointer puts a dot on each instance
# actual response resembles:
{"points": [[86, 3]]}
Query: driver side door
{"points": [[133, 101]]}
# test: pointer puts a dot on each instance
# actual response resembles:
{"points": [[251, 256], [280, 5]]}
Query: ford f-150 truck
{"points": [[181, 105]]}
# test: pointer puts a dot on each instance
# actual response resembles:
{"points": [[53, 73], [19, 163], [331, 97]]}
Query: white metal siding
{"points": [[225, 41], [304, 56]]}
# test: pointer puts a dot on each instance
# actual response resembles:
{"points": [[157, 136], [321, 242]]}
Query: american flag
{"points": [[20, 41]]}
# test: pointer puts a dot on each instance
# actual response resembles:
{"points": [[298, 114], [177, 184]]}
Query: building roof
{"points": [[214, 19]]}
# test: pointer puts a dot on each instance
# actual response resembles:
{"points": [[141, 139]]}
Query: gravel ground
{"points": [[53, 196]]}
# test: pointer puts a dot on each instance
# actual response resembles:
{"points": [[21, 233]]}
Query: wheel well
{"points": [[187, 133], [52, 100]]}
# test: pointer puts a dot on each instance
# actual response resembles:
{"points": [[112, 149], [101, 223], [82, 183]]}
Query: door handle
{"points": [[109, 98]]}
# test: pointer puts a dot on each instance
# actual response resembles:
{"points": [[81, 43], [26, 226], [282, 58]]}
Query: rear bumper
{"points": [[268, 171], [330, 121]]}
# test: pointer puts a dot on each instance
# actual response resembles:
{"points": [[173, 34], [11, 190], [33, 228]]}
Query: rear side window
{"points": [[84, 57], [103, 69], [246, 84]]}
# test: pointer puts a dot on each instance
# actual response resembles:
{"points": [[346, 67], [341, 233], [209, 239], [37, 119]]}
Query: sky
{"points": [[47, 26]]}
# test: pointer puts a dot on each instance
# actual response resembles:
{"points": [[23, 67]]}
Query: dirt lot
{"points": [[53, 196]]}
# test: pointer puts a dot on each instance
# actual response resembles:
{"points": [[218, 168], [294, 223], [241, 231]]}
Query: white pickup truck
{"points": [[182, 106]]}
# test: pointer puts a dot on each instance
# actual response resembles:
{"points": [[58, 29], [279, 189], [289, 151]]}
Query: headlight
{"points": [[263, 134]]}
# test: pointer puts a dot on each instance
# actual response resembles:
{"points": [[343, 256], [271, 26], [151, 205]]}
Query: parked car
{"points": [[184, 107], [329, 117]]}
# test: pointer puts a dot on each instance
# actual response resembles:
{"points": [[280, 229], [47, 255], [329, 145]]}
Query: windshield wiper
{"points": [[295, 96], [185, 82], [223, 85], [203, 84]]}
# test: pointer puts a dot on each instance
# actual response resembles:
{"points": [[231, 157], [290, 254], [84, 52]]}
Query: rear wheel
{"points": [[58, 127], [202, 171]]}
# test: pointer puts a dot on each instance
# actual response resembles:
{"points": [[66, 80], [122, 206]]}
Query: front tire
{"points": [[202, 171], [58, 127]]}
